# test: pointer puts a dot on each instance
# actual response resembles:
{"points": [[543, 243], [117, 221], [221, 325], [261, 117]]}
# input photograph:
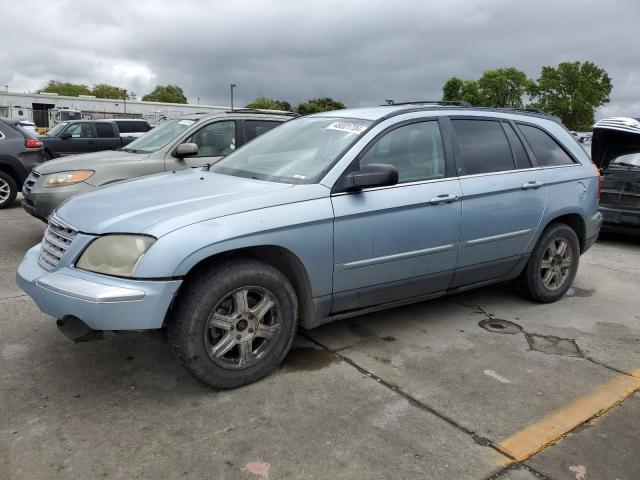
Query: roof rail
{"points": [[527, 110], [259, 110], [454, 103]]}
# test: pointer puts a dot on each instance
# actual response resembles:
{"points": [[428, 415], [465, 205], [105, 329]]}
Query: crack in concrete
{"points": [[478, 439], [517, 466], [14, 296], [530, 337]]}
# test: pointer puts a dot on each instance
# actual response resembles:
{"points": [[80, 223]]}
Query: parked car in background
{"points": [[615, 149], [83, 136], [20, 151], [325, 217], [189, 141]]}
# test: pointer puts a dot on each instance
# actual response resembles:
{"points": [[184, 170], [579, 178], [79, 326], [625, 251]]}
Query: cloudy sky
{"points": [[360, 52]]}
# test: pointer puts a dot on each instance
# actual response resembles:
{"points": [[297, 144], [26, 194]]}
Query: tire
{"points": [[547, 277], [222, 328], [8, 190]]}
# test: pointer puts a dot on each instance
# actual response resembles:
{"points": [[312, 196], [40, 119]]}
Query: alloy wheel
{"points": [[556, 264], [5, 190], [243, 327]]}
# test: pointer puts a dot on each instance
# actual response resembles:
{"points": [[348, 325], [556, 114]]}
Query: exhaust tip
{"points": [[77, 331]]}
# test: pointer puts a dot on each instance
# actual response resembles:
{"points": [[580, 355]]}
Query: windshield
{"points": [[160, 136], [55, 131], [631, 159], [298, 151]]}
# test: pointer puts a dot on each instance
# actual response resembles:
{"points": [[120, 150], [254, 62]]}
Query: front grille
{"points": [[30, 181], [609, 198], [56, 241], [630, 201]]}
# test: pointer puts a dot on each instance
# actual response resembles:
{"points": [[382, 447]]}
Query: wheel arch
{"points": [[276, 256], [11, 171], [573, 220]]}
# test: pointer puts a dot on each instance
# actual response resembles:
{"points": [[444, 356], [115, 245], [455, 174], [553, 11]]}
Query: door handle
{"points": [[445, 198], [532, 184]]}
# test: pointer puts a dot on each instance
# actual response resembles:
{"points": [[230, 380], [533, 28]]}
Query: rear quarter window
{"points": [[546, 149]]}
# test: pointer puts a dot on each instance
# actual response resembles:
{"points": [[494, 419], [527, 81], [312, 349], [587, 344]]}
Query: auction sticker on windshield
{"points": [[347, 127]]}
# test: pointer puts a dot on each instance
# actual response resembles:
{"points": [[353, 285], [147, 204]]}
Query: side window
{"points": [[104, 130], [415, 150], [254, 128], [546, 149], [483, 146], [216, 139], [80, 130], [519, 153]]}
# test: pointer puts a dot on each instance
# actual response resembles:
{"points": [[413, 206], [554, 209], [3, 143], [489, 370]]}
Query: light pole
{"points": [[125, 101], [233, 85]]}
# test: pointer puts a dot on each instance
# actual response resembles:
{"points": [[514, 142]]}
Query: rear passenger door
{"points": [[106, 136], [504, 198]]}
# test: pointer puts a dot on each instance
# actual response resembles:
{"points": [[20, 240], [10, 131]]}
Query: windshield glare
{"points": [[160, 136], [298, 151], [630, 158], [57, 129]]}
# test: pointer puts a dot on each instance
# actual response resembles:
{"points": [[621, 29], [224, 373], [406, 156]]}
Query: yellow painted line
{"points": [[537, 436]]}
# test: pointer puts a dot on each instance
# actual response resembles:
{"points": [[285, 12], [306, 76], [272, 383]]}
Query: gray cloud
{"points": [[360, 52]]}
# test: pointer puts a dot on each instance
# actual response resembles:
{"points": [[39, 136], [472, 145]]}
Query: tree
{"points": [[572, 91], [504, 87], [167, 94], [66, 88], [316, 105], [103, 90], [269, 104], [456, 89]]}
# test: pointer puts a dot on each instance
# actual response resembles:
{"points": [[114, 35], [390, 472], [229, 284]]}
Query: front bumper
{"points": [[620, 219], [40, 201], [102, 302]]}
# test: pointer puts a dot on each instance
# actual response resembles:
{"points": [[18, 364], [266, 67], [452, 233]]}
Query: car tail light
{"points": [[32, 143], [599, 181]]}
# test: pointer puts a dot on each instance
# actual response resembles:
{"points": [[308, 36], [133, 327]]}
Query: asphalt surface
{"points": [[475, 386]]}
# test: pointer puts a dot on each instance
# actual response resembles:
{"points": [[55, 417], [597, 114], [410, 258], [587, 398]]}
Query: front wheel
{"points": [[233, 324], [553, 265]]}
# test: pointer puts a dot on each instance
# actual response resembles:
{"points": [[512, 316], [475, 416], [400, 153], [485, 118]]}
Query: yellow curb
{"points": [[537, 436]]}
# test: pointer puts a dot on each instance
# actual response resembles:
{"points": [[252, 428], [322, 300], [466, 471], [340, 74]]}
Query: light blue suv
{"points": [[325, 217]]}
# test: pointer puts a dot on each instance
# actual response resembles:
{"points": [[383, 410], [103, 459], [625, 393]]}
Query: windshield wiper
{"points": [[625, 164]]}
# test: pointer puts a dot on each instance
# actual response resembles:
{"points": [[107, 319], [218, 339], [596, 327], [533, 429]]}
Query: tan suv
{"points": [[188, 141]]}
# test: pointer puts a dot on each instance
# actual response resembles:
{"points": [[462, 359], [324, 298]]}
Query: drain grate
{"points": [[496, 325]]}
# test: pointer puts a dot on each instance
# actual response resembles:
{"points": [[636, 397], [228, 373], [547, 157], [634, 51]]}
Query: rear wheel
{"points": [[553, 265], [234, 324], [8, 190]]}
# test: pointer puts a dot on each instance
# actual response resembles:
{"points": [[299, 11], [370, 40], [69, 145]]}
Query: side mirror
{"points": [[186, 150], [372, 175], [65, 135]]}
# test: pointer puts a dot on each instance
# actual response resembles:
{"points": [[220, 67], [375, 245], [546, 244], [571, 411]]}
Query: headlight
{"points": [[115, 254], [62, 179]]}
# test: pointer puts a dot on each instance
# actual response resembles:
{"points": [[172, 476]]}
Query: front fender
{"points": [[303, 228]]}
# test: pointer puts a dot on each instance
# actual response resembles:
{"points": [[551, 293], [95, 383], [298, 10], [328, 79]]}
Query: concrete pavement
{"points": [[442, 389]]}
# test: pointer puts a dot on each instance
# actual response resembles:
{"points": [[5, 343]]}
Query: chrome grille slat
{"points": [[57, 239]]}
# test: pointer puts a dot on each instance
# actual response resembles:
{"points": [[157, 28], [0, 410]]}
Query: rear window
{"points": [[104, 130], [547, 151], [254, 128], [483, 146], [131, 126]]}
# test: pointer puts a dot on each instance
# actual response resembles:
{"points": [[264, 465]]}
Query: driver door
{"points": [[215, 140], [400, 241]]}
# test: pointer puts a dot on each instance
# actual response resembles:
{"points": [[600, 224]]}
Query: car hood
{"points": [[88, 161], [160, 203], [613, 137]]}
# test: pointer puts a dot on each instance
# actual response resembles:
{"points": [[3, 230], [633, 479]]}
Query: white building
{"points": [[45, 108]]}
